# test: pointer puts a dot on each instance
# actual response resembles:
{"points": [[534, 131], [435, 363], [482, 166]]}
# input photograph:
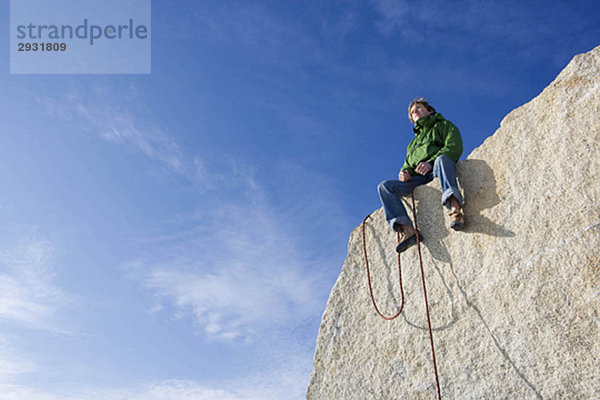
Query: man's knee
{"points": [[441, 163], [441, 160], [383, 187], [394, 187]]}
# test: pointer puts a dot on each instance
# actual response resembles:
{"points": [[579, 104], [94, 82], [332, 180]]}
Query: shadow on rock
{"points": [[479, 186], [432, 221]]}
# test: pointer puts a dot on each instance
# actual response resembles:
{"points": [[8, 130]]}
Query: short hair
{"points": [[420, 100]]}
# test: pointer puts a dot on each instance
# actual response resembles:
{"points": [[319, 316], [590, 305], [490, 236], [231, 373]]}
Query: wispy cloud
{"points": [[234, 266], [484, 30], [29, 299], [231, 301], [287, 383], [393, 14], [103, 117], [28, 293], [238, 301], [284, 382], [11, 364], [240, 271]]}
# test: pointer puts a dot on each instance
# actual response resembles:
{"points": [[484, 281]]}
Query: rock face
{"points": [[514, 300]]}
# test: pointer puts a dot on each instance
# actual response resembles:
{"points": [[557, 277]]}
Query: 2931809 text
{"points": [[44, 46]]}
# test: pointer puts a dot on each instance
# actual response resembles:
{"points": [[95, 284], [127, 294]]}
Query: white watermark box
{"points": [[80, 37]]}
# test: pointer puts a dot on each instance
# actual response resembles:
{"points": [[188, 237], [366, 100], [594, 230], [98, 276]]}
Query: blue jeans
{"points": [[391, 191]]}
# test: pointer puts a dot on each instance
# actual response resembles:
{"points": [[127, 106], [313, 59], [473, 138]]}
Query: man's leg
{"points": [[445, 169], [390, 193]]}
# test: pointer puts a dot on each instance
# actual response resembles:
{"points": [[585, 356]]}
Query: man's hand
{"points": [[404, 176], [423, 168]]}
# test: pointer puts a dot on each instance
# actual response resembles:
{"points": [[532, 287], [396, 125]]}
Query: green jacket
{"points": [[434, 136]]}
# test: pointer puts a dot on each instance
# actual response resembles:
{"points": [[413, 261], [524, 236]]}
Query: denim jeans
{"points": [[391, 191]]}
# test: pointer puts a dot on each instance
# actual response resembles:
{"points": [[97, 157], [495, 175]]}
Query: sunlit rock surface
{"points": [[514, 300]]}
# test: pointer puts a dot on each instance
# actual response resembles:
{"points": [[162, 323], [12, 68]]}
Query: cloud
{"points": [[237, 301], [233, 266], [393, 14], [103, 117], [18, 392], [186, 390], [523, 31], [29, 298], [239, 272], [12, 365], [242, 300], [28, 294], [285, 377], [286, 382]]}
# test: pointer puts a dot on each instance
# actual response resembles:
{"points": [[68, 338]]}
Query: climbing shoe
{"points": [[408, 242], [458, 220]]}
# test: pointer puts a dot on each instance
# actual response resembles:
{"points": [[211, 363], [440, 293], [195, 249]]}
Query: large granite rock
{"points": [[514, 300]]}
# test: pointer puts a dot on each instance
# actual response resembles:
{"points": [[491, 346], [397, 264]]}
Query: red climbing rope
{"points": [[437, 381], [369, 276]]}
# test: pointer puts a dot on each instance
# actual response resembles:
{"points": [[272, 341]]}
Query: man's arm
{"points": [[453, 145]]}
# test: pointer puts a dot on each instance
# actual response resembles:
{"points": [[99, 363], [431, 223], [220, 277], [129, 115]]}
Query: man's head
{"points": [[419, 108]]}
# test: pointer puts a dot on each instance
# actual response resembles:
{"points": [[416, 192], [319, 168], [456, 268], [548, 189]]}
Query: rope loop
{"points": [[369, 276], [414, 210]]}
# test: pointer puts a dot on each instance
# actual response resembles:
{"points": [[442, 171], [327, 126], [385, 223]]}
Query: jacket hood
{"points": [[427, 122]]}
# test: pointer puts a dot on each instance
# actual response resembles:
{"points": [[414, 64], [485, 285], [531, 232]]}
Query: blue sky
{"points": [[176, 235]]}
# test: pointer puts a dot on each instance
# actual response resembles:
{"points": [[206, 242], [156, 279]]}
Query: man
{"points": [[433, 152]]}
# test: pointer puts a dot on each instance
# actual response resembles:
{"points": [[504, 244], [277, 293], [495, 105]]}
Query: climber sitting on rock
{"points": [[433, 152]]}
